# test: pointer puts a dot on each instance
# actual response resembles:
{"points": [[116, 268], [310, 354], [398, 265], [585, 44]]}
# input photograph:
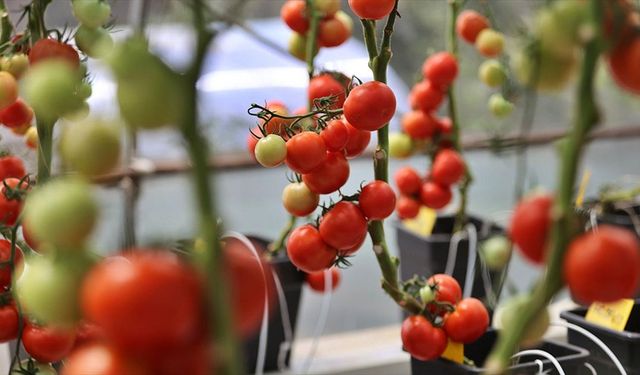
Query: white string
{"points": [[285, 346], [593, 370], [453, 253], [262, 341], [593, 219], [596, 340], [540, 366], [544, 354], [469, 280], [322, 320]]}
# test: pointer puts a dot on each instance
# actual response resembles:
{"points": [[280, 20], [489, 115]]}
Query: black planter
{"points": [[571, 359], [425, 256], [292, 281], [625, 345], [620, 218]]}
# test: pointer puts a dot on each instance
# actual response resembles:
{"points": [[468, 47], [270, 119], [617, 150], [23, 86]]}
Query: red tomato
{"points": [[407, 180], [47, 344], [329, 176], [9, 90], [10, 202], [45, 49], [377, 200], [252, 141], [315, 280], [334, 31], [100, 359], [11, 166], [370, 106], [307, 251], [441, 69], [294, 14], [372, 9], [323, 86], [529, 226], [335, 135], [448, 167], [276, 125], [603, 265], [16, 115], [353, 249], [419, 125], [144, 300], [421, 339], [343, 226], [446, 287], [445, 126], [426, 97], [305, 152], [434, 195], [407, 207], [8, 322], [88, 333], [468, 322], [5, 256], [357, 142], [469, 24], [623, 64], [194, 359]]}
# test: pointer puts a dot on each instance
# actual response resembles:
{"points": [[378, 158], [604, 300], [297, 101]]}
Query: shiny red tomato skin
{"points": [[448, 167], [101, 359], [529, 226], [421, 339], [343, 226], [357, 141], [9, 322], [468, 322], [193, 359], [377, 200], [325, 85], [308, 251], [45, 49], [16, 115], [11, 166], [10, 208], [445, 125], [603, 265], [372, 10], [47, 344], [315, 280], [426, 97], [447, 288], [329, 176], [623, 64], [305, 152], [88, 333], [370, 106], [434, 195], [5, 256], [333, 32], [293, 13], [469, 24], [407, 207], [441, 69], [335, 135], [276, 125], [419, 125], [407, 180]]}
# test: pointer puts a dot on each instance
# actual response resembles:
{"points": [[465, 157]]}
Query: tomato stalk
{"points": [[209, 261], [564, 223], [378, 62], [5, 24]]}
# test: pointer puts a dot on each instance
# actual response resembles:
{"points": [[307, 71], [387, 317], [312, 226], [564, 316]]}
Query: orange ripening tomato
{"points": [[469, 24], [624, 60], [45, 49], [335, 30]]}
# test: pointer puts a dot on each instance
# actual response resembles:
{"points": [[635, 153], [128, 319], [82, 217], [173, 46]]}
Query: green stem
{"points": [[45, 144], [7, 27], [378, 62], [564, 225], [220, 325], [312, 36], [279, 244]]}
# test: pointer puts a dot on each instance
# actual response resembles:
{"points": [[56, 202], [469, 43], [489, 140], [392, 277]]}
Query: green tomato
{"points": [[496, 252], [50, 87], [299, 200], [499, 106], [84, 90], [90, 147], [427, 294], [16, 64], [91, 13], [79, 114], [34, 368], [93, 42], [298, 46], [271, 151], [492, 73], [536, 329], [490, 43], [62, 212], [327, 7], [553, 73], [48, 287], [400, 145]]}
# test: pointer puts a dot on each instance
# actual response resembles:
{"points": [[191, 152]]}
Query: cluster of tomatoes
{"points": [[600, 265], [447, 317]]}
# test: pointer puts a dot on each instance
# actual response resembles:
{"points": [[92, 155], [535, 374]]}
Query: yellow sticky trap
{"points": [[454, 352], [610, 315], [423, 223], [583, 187]]}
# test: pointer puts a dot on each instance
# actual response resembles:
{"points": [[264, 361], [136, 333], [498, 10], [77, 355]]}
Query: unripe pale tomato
{"points": [[603, 265], [329, 176], [370, 106], [407, 207], [492, 73], [419, 125], [441, 69], [407, 180], [343, 226], [623, 64], [50, 88], [372, 9], [335, 135], [377, 200], [271, 151], [93, 42], [100, 359], [298, 46], [51, 49], [469, 24], [16, 64], [530, 224], [421, 339], [305, 152], [490, 43], [293, 13], [8, 90], [496, 252], [400, 145], [357, 141], [335, 31], [47, 344], [5, 256], [425, 96], [434, 195], [316, 280], [552, 74], [62, 212], [499, 106], [299, 200], [448, 167], [17, 114], [90, 147], [535, 329], [324, 86], [307, 251], [468, 322], [91, 13], [558, 27]]}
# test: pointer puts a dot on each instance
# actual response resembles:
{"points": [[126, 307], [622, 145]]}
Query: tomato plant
{"points": [[370, 106], [343, 226], [530, 226], [377, 200], [308, 251], [421, 339], [299, 200], [316, 280], [305, 152], [328, 176], [468, 322], [47, 344]]}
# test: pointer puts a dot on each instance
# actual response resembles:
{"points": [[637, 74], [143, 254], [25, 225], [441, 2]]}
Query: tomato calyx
{"points": [[295, 123], [27, 367], [432, 309], [18, 192]]}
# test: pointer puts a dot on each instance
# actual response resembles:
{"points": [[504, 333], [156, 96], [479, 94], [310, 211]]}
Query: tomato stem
{"points": [[279, 244], [7, 27], [312, 37], [45, 145], [564, 224]]}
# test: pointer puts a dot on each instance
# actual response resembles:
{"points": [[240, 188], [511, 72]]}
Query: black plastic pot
{"points": [[292, 281], [571, 359], [625, 345], [621, 218], [425, 256]]}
